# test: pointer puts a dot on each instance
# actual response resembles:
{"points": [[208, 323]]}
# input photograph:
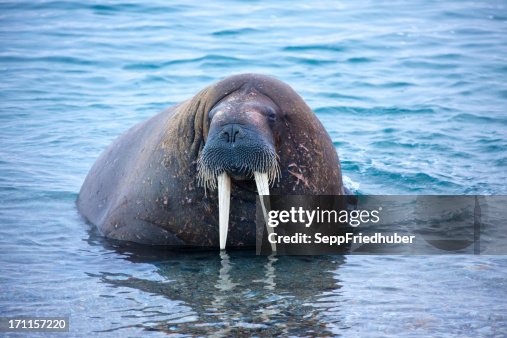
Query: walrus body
{"points": [[155, 183]]}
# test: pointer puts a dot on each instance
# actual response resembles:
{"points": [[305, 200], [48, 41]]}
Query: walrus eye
{"points": [[271, 115]]}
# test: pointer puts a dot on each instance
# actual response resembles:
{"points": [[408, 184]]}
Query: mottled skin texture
{"points": [[143, 187]]}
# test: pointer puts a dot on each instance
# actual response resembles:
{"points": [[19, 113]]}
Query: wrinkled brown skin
{"points": [[143, 187]]}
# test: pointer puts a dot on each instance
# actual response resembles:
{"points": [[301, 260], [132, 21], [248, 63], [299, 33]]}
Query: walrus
{"points": [[189, 176]]}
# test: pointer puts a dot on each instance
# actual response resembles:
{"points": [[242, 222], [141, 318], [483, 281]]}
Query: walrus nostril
{"points": [[226, 136], [231, 133], [234, 132]]}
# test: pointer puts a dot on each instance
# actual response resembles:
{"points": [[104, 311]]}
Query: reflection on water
{"points": [[223, 294], [238, 292]]}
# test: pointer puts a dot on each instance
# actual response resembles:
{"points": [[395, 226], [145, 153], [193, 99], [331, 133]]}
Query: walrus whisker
{"points": [[211, 165]]}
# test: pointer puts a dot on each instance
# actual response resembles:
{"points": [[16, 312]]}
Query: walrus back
{"points": [[110, 190]]}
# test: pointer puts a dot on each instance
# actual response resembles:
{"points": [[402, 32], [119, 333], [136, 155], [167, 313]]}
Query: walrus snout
{"points": [[238, 151]]}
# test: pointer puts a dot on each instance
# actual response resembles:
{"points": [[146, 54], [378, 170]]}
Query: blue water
{"points": [[413, 95]]}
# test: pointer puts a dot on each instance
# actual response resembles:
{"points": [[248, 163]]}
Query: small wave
{"points": [[351, 184], [310, 61], [394, 144], [448, 56], [335, 95], [360, 60], [411, 181], [51, 59], [468, 117], [398, 84], [502, 93], [423, 64], [96, 8], [389, 130], [235, 32], [349, 166], [316, 47], [164, 64], [373, 111]]}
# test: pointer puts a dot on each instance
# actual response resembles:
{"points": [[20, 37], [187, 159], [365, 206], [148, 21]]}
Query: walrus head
{"points": [[240, 140], [240, 145]]}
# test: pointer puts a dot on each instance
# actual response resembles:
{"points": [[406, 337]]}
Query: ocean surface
{"points": [[413, 94]]}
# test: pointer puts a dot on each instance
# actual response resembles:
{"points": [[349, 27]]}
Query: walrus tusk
{"points": [[224, 203], [261, 180]]}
